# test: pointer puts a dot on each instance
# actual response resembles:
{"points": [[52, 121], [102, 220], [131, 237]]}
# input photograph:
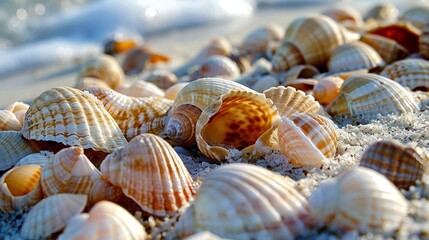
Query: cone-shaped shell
{"points": [[106, 220], [74, 118], [243, 201], [360, 199], [140, 57], [235, 120], [134, 116], [388, 49], [418, 16], [216, 66], [401, 164], [327, 89], [411, 73], [369, 95], [106, 68], [8, 121], [51, 215], [13, 147], [405, 34], [151, 173], [20, 187]]}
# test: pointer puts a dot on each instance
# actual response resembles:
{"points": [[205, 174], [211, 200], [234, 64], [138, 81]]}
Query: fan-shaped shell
{"points": [[405, 34], [424, 42], [257, 40], [216, 66], [401, 164], [87, 82], [151, 173], [74, 118], [134, 115], [138, 59], [418, 16], [327, 89], [369, 95], [8, 121], [19, 109], [161, 78], [140, 89], [388, 49], [243, 201], [412, 73], [106, 68], [13, 147], [106, 220], [383, 12], [51, 215], [360, 199]]}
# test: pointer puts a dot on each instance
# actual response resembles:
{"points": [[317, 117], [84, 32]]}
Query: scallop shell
{"points": [[243, 201], [20, 187], [424, 42], [141, 89], [151, 173], [256, 42], [418, 16], [51, 215], [19, 109], [138, 58], [73, 118], [134, 115], [106, 68], [383, 12], [8, 121], [360, 199], [411, 73], [388, 49], [216, 66], [13, 147], [172, 92], [161, 78], [405, 34], [327, 89], [353, 56], [235, 120], [41, 158], [401, 164], [87, 82], [189, 104], [307, 139], [369, 94], [106, 220]]}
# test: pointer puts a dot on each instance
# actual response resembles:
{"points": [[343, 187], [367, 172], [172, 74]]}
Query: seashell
{"points": [[73, 118], [8, 121], [151, 173], [87, 82], [256, 42], [327, 89], [106, 68], [41, 159], [388, 49], [138, 58], [383, 12], [20, 188], [360, 199], [216, 66], [172, 92], [51, 215], [260, 68], [401, 164], [242, 61], [418, 16], [424, 42], [412, 73], [13, 147], [353, 56], [309, 40], [264, 83], [141, 89], [189, 104], [347, 16], [161, 78], [369, 94], [405, 34], [134, 115], [298, 72], [19, 109], [244, 201], [119, 43], [106, 220], [307, 139], [304, 84]]}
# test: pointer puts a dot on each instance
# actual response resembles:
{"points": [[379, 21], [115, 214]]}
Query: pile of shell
{"points": [[107, 145]]}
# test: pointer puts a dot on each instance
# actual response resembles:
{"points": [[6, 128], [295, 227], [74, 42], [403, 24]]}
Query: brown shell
{"points": [[388, 49], [405, 34], [411, 73], [138, 58], [424, 42], [161, 78], [106, 68]]}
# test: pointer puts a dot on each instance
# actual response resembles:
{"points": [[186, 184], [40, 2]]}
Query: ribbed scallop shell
{"points": [[360, 199], [307, 139], [161, 78], [405, 34], [418, 16], [388, 49], [8, 121], [424, 42], [87, 82], [134, 116], [19, 109], [412, 73], [13, 147], [106, 220], [243, 201], [20, 188], [106, 68], [234, 121], [353, 56], [257, 40], [327, 89], [216, 66], [140, 89], [369, 95], [401, 164], [51, 215], [151, 173], [73, 118], [383, 12]]}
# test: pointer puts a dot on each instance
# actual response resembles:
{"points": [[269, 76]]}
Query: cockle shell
{"points": [[307, 139], [234, 121], [327, 89], [216, 66], [418, 16], [140, 89], [388, 49], [360, 199], [73, 118], [412, 73], [424, 42], [405, 34], [161, 78], [243, 201], [20, 187], [172, 92], [13, 147], [353, 56], [51, 215], [87, 82], [106, 68], [8, 121], [134, 115], [369, 94], [105, 220], [401, 164], [138, 58], [19, 109], [151, 173], [189, 104], [256, 42], [383, 12]]}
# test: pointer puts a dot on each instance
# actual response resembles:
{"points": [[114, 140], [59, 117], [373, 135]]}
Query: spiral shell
{"points": [[13, 147], [74, 118], [411, 73], [138, 58], [369, 94], [151, 173], [327, 89], [405, 34], [383, 12], [216, 66], [106, 68], [243, 201], [19, 109], [360, 199], [388, 49], [8, 121], [418, 16]]}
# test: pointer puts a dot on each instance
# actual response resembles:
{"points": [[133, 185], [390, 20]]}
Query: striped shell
{"points": [[424, 42], [401, 164], [360, 199], [151, 173], [19, 109], [243, 201], [418, 16], [216, 66], [327, 89], [106, 68], [405, 34], [388, 49], [307, 139], [140, 57], [8, 121], [13, 147], [369, 95], [134, 116], [73, 118], [411, 73]]}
